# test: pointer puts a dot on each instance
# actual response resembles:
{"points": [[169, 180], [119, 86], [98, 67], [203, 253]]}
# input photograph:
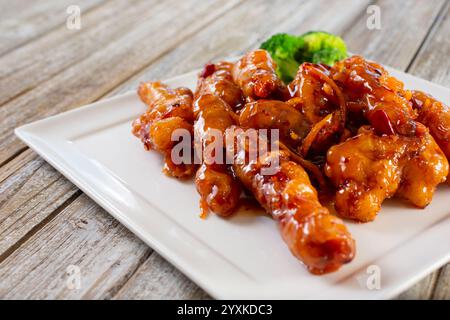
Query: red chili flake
{"points": [[381, 123], [208, 70]]}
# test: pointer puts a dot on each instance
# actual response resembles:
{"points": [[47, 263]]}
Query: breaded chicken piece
{"points": [[436, 116], [168, 110], [218, 189], [368, 168], [317, 238], [255, 74], [217, 79]]}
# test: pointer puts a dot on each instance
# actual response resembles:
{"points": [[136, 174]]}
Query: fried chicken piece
{"points": [[255, 74], [436, 116], [373, 95], [423, 172], [314, 236], [168, 110], [315, 97], [322, 103], [217, 79], [365, 170], [275, 114], [164, 102], [216, 97], [368, 168], [322, 136], [218, 189]]}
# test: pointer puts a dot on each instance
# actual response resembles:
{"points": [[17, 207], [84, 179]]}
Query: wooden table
{"points": [[46, 223]]}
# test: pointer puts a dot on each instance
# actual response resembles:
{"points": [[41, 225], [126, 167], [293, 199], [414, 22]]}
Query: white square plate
{"points": [[244, 256]]}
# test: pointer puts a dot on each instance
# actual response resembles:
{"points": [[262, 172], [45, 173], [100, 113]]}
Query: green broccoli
{"points": [[321, 47], [289, 51], [284, 48]]}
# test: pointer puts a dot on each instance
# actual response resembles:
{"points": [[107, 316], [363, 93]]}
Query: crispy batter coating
{"points": [[315, 97], [164, 102], [317, 238], [218, 189], [423, 172], [168, 110], [372, 94], [255, 74], [369, 168], [217, 79], [321, 101], [275, 114], [436, 116]]}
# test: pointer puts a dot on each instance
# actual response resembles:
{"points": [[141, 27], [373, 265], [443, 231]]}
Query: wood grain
{"points": [[432, 63], [156, 279], [82, 235], [226, 38], [21, 21], [30, 191], [422, 290], [90, 78], [404, 25], [442, 288], [28, 183], [29, 66]]}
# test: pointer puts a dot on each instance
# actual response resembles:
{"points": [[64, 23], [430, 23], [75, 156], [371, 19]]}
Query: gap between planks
{"points": [[441, 14], [39, 226]]}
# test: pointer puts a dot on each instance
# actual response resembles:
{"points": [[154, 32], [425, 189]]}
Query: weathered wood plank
{"points": [[22, 21], [225, 38], [156, 279], [29, 66], [30, 191], [442, 289], [16, 165], [432, 63], [422, 290], [82, 235], [105, 69], [404, 24]]}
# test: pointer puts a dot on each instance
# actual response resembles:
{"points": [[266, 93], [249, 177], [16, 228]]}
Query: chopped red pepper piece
{"points": [[381, 123], [208, 70]]}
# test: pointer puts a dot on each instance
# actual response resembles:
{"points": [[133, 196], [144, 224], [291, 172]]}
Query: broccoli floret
{"points": [[321, 47], [290, 51], [283, 49]]}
